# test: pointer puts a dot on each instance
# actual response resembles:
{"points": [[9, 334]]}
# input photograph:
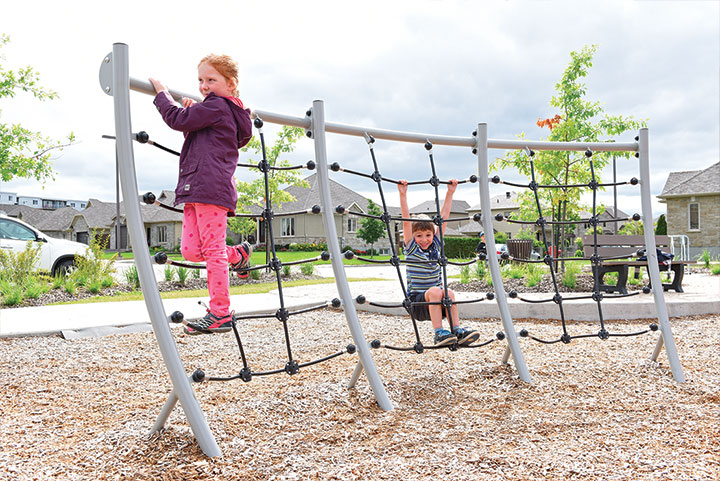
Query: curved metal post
{"points": [[318, 135], [483, 182], [653, 269], [128, 180]]}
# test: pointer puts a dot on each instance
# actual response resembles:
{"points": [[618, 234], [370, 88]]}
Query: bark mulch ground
{"points": [[82, 409]]}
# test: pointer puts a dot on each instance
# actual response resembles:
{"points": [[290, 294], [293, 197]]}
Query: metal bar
{"points": [[136, 231], [144, 86], [652, 267], [318, 134], [482, 155]]}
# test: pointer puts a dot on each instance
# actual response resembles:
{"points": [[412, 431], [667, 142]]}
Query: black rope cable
{"points": [[497, 180], [335, 167], [340, 210]]}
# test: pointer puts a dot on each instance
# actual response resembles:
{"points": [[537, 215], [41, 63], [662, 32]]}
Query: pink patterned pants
{"points": [[203, 239]]}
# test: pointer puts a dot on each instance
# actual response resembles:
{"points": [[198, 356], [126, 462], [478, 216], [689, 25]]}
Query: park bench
{"points": [[617, 245]]}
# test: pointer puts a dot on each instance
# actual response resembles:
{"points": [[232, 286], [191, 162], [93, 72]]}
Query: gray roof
{"points": [[458, 207], [98, 214], [306, 197], [12, 210], [58, 220], [692, 182], [501, 201]]}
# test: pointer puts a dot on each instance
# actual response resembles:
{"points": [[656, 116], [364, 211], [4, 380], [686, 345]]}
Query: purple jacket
{"points": [[214, 131]]}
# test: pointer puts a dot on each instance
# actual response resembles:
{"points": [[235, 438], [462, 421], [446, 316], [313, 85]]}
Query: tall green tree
{"points": [[576, 119], [661, 226], [24, 153], [371, 230]]}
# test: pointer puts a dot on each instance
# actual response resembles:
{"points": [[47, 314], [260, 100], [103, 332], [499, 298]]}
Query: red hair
{"points": [[226, 66]]}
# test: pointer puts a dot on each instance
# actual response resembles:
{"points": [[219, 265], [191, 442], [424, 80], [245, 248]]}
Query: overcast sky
{"points": [[423, 66]]}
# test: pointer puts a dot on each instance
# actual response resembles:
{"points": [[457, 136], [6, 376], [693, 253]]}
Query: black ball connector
{"points": [[477, 217], [246, 374], [499, 217], [513, 294], [474, 133], [258, 123], [350, 349], [418, 347], [565, 338], [490, 296], [646, 290], [177, 317], [505, 256], [524, 333], [282, 314], [636, 217], [482, 256], [142, 137], [308, 113], [531, 152], [371, 139], [637, 155], [473, 179], [653, 327], [160, 258], [308, 134], [335, 167], [375, 344], [495, 179], [316, 209], [349, 255], [634, 181], [500, 335], [637, 138], [360, 299], [310, 165], [557, 299], [588, 153], [336, 302], [149, 198], [325, 255], [603, 334], [428, 145], [474, 151], [340, 209], [198, 376], [292, 368]]}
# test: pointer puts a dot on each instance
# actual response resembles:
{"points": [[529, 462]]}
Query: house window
{"points": [[162, 234], [694, 217], [35, 202], [288, 227], [352, 224]]}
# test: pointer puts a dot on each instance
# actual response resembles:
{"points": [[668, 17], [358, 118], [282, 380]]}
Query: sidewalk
{"points": [[702, 296]]}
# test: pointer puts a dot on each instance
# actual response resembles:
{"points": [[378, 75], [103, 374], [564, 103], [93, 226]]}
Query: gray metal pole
{"points": [[483, 182], [653, 269], [136, 231], [318, 134]]}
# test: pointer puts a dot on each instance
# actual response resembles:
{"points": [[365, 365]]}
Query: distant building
{"points": [[693, 208], [11, 198]]}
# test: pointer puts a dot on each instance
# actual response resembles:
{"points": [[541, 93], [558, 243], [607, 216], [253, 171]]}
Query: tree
{"points": [[661, 227], [578, 120], [23, 152], [371, 230], [253, 193], [632, 227]]}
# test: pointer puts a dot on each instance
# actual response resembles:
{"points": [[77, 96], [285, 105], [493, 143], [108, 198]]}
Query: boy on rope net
{"points": [[424, 281], [214, 131]]}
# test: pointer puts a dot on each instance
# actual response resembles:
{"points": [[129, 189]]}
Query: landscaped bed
{"points": [[82, 409]]}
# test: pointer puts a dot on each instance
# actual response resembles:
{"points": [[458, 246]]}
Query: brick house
{"points": [[693, 208]]}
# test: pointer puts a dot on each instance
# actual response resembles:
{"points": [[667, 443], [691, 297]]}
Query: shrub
{"points": [[460, 247], [16, 267], [464, 274], [12, 293], [107, 281], [182, 273], [94, 286], [34, 287], [569, 277], [307, 269], [70, 286], [92, 267], [132, 277], [169, 273], [534, 277], [58, 281], [514, 271], [286, 270], [229, 241], [195, 274], [715, 269], [705, 258], [480, 270], [255, 274]]}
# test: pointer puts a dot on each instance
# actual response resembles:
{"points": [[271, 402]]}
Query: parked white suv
{"points": [[56, 255]]}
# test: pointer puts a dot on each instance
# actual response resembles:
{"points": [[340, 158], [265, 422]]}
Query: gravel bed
{"points": [[597, 410]]}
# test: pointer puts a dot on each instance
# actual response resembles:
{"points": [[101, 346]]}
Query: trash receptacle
{"points": [[520, 248]]}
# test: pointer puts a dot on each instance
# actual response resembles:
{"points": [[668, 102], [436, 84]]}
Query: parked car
{"points": [[57, 256]]}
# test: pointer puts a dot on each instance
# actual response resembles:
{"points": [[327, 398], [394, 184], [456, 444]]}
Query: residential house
{"points": [[693, 208], [505, 204], [308, 228]]}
